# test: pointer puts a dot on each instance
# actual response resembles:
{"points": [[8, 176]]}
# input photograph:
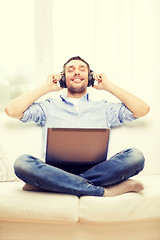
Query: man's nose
{"points": [[77, 71]]}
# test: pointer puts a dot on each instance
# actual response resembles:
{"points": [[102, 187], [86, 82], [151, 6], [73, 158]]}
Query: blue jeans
{"points": [[118, 168]]}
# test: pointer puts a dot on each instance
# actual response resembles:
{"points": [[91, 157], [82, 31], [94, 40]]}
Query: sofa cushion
{"points": [[23, 206], [129, 206], [6, 168]]}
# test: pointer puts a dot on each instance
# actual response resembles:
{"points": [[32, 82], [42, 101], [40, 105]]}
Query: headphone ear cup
{"points": [[90, 80], [62, 82]]}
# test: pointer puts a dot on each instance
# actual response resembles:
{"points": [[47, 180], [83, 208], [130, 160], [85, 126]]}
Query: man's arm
{"points": [[138, 107], [18, 106]]}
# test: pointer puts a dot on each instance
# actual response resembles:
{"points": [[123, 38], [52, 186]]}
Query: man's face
{"points": [[76, 73]]}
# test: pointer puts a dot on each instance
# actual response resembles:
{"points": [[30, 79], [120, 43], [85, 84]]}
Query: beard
{"points": [[74, 90]]}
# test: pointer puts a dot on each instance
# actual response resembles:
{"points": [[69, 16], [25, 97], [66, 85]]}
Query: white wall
{"points": [[118, 37]]}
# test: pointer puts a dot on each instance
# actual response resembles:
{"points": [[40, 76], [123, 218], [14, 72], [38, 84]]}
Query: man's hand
{"points": [[51, 82], [103, 82]]}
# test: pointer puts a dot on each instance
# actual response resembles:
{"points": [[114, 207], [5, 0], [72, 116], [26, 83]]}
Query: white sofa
{"points": [[37, 215]]}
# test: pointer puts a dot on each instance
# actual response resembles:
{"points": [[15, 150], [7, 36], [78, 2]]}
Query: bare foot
{"points": [[124, 187]]}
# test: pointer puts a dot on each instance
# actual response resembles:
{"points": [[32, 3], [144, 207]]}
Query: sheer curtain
{"points": [[17, 50]]}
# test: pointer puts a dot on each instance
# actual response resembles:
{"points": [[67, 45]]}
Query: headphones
{"points": [[62, 82]]}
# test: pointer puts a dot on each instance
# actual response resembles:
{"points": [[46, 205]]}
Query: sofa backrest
{"points": [[18, 138]]}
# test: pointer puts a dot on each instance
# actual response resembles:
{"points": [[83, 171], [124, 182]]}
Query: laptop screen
{"points": [[76, 149]]}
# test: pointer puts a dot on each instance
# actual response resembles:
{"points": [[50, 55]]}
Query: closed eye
{"points": [[70, 69], [82, 68]]}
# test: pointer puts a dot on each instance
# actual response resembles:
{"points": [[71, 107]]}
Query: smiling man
{"points": [[76, 73], [77, 110]]}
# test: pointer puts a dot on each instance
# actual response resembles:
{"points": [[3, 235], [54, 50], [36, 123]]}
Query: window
{"points": [[120, 38], [17, 49]]}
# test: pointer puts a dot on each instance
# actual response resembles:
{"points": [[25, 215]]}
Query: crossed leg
{"points": [[114, 174], [108, 178]]}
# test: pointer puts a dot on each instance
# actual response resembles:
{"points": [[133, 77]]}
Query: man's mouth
{"points": [[77, 79]]}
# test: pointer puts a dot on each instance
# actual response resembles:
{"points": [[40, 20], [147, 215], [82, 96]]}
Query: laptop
{"points": [[76, 150]]}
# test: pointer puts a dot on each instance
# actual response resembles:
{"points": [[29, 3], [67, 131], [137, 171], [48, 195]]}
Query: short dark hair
{"points": [[76, 58]]}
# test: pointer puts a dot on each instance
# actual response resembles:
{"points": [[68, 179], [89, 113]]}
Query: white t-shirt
{"points": [[75, 101]]}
